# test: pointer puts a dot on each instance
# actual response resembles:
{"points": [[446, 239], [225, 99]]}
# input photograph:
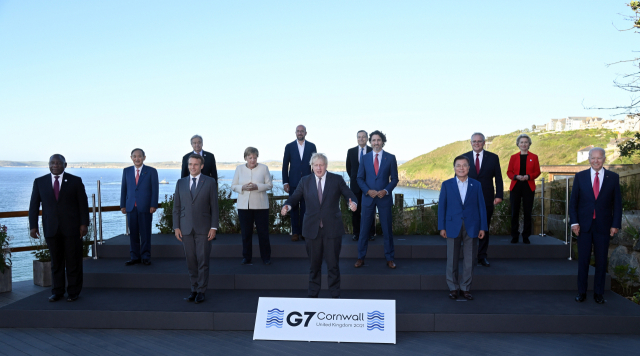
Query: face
{"points": [[524, 144], [195, 166], [196, 143], [57, 165], [477, 143], [137, 158], [301, 133], [362, 139], [376, 143], [252, 160], [462, 168], [596, 159], [319, 168]]}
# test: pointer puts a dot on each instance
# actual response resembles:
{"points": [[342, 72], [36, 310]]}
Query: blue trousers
{"points": [[600, 243], [140, 234], [297, 214], [368, 217]]}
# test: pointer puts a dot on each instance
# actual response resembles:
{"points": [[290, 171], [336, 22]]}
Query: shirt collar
{"points": [[593, 171], [59, 177], [459, 181], [196, 177], [476, 153], [325, 174], [136, 168], [199, 153]]}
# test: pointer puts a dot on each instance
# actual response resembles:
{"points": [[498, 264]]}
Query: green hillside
{"points": [[430, 169]]}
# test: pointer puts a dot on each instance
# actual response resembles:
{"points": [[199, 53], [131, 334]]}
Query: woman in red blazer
{"points": [[524, 168]]}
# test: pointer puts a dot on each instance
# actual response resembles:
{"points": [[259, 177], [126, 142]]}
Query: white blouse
{"points": [[260, 176]]}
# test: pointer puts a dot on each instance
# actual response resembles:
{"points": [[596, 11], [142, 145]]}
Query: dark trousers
{"points": [[297, 214], [197, 249], [357, 218], [483, 245], [261, 219], [521, 193], [600, 243], [326, 248], [368, 217], [66, 261], [139, 234]]}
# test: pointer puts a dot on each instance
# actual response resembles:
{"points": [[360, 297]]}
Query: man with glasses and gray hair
{"points": [[485, 167], [209, 168]]}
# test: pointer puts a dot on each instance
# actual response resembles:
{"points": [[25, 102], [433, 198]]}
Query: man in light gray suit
{"points": [[323, 227], [195, 221]]}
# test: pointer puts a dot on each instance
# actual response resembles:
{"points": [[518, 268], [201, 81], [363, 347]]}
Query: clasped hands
{"points": [[576, 230], [249, 187], [443, 233], [210, 236], [522, 178], [379, 193]]}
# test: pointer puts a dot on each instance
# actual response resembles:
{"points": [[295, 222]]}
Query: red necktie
{"points": [[596, 190], [137, 177], [56, 187], [376, 164], [477, 163]]}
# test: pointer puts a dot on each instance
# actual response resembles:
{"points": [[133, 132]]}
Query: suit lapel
{"points": [[201, 182], [64, 181], [142, 174], [455, 186], [49, 186], [296, 152], [324, 191]]}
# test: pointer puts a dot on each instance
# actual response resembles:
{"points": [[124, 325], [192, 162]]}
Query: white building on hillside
{"points": [[583, 153], [575, 123]]}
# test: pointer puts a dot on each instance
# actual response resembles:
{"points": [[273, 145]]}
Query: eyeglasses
{"points": [[477, 141], [461, 166]]}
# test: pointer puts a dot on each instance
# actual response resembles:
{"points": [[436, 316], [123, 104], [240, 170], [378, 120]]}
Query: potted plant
{"points": [[5, 260], [42, 263]]}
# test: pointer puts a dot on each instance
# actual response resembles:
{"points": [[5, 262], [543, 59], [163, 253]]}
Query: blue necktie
{"points": [[193, 188], [361, 154]]}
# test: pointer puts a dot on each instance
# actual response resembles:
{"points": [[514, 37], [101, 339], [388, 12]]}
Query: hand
{"points": [[123, 210], [372, 193], [497, 201], [83, 230], [178, 235], [285, 210], [613, 231], [212, 234], [352, 205], [519, 177], [525, 177], [382, 193], [34, 233], [443, 233], [481, 234], [286, 187], [576, 230], [246, 187], [152, 210], [253, 186]]}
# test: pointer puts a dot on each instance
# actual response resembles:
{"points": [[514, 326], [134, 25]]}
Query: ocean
{"points": [[16, 185]]}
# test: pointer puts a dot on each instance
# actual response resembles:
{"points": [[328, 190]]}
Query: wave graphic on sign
{"points": [[375, 320], [275, 317]]}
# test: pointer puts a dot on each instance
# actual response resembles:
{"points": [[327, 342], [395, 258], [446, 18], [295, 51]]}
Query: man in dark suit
{"points": [[295, 165], [485, 167], [595, 210], [354, 155], [195, 221], [65, 217], [323, 227], [209, 168], [377, 177], [139, 200]]}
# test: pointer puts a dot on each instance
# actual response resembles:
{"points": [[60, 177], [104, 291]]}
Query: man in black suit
{"points": [[323, 227], [65, 217], [353, 162], [485, 167], [209, 169]]}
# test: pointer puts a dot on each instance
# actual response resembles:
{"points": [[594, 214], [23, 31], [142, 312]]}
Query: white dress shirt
{"points": [[475, 154], [379, 162], [301, 148], [462, 187], [361, 151], [198, 153], [191, 180], [53, 179], [324, 179], [137, 169]]}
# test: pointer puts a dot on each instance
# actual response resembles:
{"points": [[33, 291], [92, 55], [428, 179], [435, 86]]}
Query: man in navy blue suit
{"points": [[139, 200], [462, 216], [295, 165], [595, 210], [377, 176]]}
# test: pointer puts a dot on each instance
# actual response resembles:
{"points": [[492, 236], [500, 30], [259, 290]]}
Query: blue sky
{"points": [[92, 80]]}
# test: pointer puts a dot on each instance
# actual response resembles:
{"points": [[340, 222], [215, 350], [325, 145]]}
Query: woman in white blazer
{"points": [[252, 181]]}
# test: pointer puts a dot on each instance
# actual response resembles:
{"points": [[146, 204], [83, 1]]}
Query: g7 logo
{"points": [[297, 321]]}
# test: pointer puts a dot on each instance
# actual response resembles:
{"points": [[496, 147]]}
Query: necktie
{"points": [[56, 187], [193, 188], [477, 163], [596, 191], [361, 154], [137, 177], [320, 195], [376, 164]]}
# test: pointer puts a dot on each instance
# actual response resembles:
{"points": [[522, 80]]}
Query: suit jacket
{"points": [[144, 194], [209, 168], [294, 168], [489, 169], [68, 213], [328, 211], [199, 213], [260, 176], [608, 206], [533, 169], [387, 178], [352, 168], [452, 212]]}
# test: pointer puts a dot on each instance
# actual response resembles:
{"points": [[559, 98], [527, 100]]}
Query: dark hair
{"points": [[460, 158], [365, 133], [379, 133], [59, 156], [139, 149], [196, 156]]}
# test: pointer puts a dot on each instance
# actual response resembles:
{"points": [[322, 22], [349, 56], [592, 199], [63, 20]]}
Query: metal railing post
{"points": [[542, 208], [100, 213], [566, 218], [95, 231]]}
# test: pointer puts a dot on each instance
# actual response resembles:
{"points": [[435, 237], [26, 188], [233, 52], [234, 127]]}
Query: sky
{"points": [[94, 79]]}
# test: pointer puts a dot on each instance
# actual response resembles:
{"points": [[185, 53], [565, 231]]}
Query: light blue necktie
{"points": [[193, 188]]}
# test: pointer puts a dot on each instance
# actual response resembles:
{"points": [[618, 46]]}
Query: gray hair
{"points": [[597, 149], [317, 156], [365, 133], [523, 136], [479, 134], [250, 151], [196, 136]]}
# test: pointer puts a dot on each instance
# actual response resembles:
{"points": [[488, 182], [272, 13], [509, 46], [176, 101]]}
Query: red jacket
{"points": [[533, 169]]}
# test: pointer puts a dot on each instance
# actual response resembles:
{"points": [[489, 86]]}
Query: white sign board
{"points": [[338, 320]]}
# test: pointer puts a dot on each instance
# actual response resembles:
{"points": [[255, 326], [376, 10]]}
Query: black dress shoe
{"points": [[453, 294], [132, 262], [72, 298], [514, 240], [146, 262], [526, 240], [191, 297], [199, 298], [467, 295], [55, 297], [599, 298], [581, 297], [267, 262], [354, 238], [372, 238], [245, 262], [484, 262]]}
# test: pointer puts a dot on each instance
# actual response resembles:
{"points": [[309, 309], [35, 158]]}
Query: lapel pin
{"points": [[471, 185]]}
